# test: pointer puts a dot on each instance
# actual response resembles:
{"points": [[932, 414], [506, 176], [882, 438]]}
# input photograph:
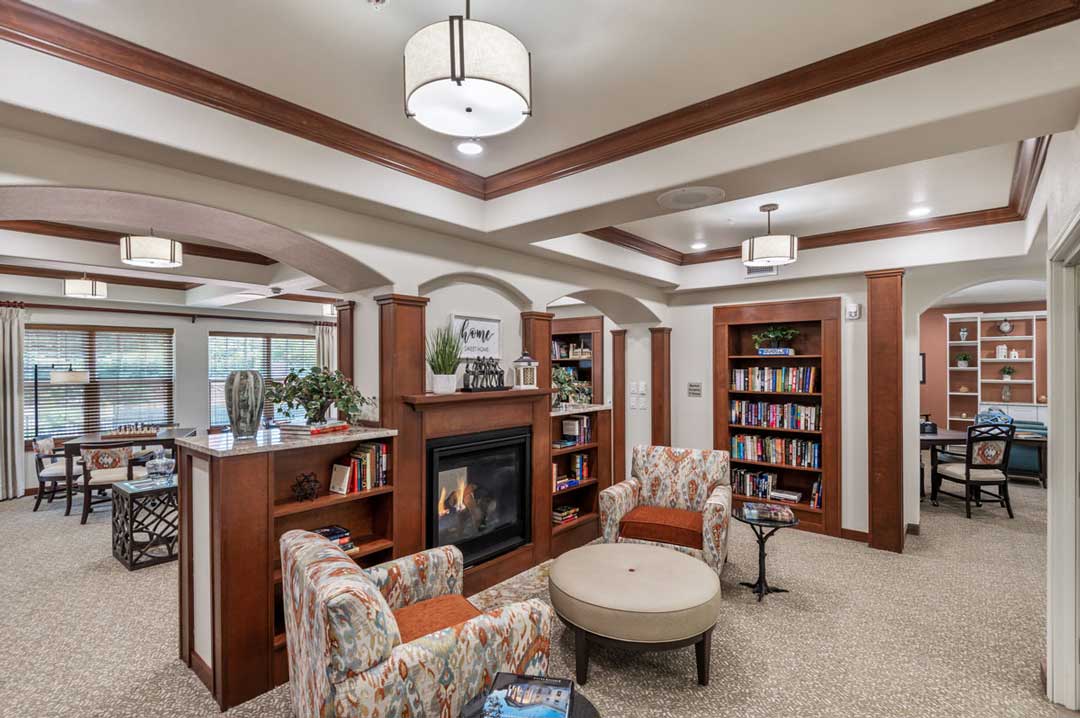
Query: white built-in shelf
{"points": [[959, 418], [963, 368], [963, 393], [1006, 339], [963, 344], [1027, 359], [1012, 403], [1010, 381]]}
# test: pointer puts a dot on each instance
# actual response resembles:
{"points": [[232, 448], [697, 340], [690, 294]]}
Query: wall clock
{"points": [[1005, 326]]}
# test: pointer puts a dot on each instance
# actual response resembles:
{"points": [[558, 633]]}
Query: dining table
{"points": [[165, 438], [945, 437]]}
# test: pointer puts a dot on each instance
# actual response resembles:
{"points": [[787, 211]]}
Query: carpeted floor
{"points": [[953, 627]]}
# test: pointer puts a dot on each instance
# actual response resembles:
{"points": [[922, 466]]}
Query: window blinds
{"points": [[130, 379], [273, 355]]}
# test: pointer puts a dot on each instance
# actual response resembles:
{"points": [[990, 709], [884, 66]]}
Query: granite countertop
{"points": [[270, 440], [571, 409]]}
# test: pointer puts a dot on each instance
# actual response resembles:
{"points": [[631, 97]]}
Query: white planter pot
{"points": [[962, 364], [444, 383], [1006, 377]]}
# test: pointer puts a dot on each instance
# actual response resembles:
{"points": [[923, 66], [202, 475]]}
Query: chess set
{"points": [[133, 431]]}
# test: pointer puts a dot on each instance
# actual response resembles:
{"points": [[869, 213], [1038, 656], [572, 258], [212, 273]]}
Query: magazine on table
{"points": [[518, 696]]}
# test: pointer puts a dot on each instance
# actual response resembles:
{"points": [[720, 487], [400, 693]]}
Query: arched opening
{"points": [[127, 211], [500, 286]]}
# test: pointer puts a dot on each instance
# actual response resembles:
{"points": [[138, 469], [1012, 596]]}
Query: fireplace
{"points": [[479, 492]]}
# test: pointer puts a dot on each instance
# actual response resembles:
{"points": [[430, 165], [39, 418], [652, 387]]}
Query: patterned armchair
{"points": [[397, 639], [677, 498]]}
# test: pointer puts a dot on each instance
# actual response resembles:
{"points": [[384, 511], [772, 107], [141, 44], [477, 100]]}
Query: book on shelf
{"points": [[770, 415], [577, 430], [564, 514], [570, 350], [563, 443], [815, 494], [767, 512], [563, 483], [747, 482], [293, 430], [775, 352], [340, 477], [792, 379], [336, 534], [787, 496], [369, 467], [776, 450], [580, 468]]}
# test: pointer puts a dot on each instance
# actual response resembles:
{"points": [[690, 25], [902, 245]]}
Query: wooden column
{"points": [[536, 342], [885, 394], [661, 386], [346, 315], [618, 405], [402, 334]]}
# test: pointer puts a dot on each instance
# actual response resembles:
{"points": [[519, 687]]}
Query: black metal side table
{"points": [[145, 522], [763, 529]]}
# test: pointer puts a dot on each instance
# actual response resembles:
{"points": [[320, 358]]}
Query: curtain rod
{"points": [[184, 315]]}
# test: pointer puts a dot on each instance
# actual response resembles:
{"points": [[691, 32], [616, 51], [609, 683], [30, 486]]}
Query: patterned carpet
{"points": [[953, 627]]}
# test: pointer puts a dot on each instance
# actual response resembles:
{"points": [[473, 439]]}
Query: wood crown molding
{"points": [[948, 37], [405, 299], [618, 332], [89, 234], [884, 273], [1030, 158], [47, 273], [542, 316], [660, 330], [309, 298]]}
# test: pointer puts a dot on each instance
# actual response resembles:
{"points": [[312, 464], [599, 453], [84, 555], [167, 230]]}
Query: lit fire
{"points": [[457, 498]]}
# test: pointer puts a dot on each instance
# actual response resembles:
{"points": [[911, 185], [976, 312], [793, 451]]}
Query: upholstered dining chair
{"points": [[52, 473], [986, 457], [105, 464]]}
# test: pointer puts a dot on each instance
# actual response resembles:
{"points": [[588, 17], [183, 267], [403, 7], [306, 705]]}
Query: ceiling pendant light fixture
{"points": [[151, 251], [770, 250], [84, 288], [467, 78]]}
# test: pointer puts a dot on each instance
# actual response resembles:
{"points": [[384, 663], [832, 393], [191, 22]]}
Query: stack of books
{"points": [[787, 496], [774, 450], [579, 466], [296, 431], [370, 466], [564, 515], [577, 430], [753, 483], [776, 416], [559, 483], [787, 379], [338, 535], [768, 512]]}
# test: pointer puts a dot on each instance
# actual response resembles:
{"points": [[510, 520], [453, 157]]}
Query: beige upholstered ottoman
{"points": [[638, 597]]}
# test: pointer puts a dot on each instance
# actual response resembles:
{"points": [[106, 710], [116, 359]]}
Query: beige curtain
{"points": [[326, 346], [12, 329]]}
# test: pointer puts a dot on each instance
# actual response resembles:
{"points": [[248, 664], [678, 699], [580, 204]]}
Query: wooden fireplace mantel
{"points": [[420, 401]]}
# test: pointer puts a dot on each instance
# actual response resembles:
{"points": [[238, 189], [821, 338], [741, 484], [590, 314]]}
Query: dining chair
{"points": [[105, 464], [986, 457], [52, 473]]}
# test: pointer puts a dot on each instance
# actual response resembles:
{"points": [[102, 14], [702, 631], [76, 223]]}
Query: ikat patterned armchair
{"points": [[677, 498], [397, 639]]}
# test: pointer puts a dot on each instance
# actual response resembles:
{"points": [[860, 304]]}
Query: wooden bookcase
{"points": [[817, 345], [581, 332], [585, 495], [368, 515]]}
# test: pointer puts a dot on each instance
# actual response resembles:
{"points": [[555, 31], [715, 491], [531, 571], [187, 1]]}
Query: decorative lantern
{"points": [[525, 370]]}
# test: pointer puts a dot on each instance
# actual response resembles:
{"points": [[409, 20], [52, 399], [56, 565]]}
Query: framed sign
{"points": [[480, 336]]}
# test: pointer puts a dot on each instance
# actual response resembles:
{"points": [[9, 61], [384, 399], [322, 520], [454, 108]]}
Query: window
{"points": [[273, 355], [130, 379]]}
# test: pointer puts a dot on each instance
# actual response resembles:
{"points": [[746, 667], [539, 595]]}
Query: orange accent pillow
{"points": [[664, 525], [433, 615]]}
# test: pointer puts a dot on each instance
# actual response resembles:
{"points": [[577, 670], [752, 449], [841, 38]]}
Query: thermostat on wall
{"points": [[854, 311]]}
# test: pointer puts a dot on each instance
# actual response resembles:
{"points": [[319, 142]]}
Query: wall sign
{"points": [[480, 336]]}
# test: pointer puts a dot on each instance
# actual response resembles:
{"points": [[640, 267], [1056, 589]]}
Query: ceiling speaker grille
{"points": [[756, 272]]}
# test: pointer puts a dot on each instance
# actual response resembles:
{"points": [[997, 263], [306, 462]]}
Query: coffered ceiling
{"points": [[598, 66]]}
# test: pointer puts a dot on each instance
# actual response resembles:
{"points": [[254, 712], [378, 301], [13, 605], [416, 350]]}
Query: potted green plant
{"points": [[1007, 372], [317, 389], [444, 357], [568, 388], [962, 359], [775, 336]]}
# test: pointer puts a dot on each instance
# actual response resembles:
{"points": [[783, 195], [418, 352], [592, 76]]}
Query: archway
{"points": [[139, 212], [500, 286]]}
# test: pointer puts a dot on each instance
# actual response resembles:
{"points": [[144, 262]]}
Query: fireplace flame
{"points": [[457, 498]]}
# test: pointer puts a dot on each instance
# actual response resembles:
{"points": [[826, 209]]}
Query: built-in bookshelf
{"points": [[977, 339], [779, 416], [580, 470], [577, 344], [366, 512]]}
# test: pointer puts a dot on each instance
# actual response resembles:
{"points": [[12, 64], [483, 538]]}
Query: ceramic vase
{"points": [[444, 383], [963, 334], [244, 399], [1006, 393]]}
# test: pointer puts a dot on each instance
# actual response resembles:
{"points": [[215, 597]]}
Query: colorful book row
{"points": [[776, 450], [776, 416], [789, 378]]}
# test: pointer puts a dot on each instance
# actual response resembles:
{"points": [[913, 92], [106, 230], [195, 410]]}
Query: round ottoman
{"points": [[637, 597]]}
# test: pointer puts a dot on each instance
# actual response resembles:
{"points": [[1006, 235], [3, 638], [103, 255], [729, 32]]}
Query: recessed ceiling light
{"points": [[469, 148], [690, 197], [918, 211], [698, 245]]}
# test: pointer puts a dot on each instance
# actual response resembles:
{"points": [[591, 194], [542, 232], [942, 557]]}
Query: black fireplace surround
{"points": [[479, 492]]}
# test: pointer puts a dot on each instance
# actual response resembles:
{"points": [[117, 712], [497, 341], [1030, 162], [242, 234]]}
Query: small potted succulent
{"points": [[444, 356], [774, 339], [317, 389], [962, 359], [1007, 373]]}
